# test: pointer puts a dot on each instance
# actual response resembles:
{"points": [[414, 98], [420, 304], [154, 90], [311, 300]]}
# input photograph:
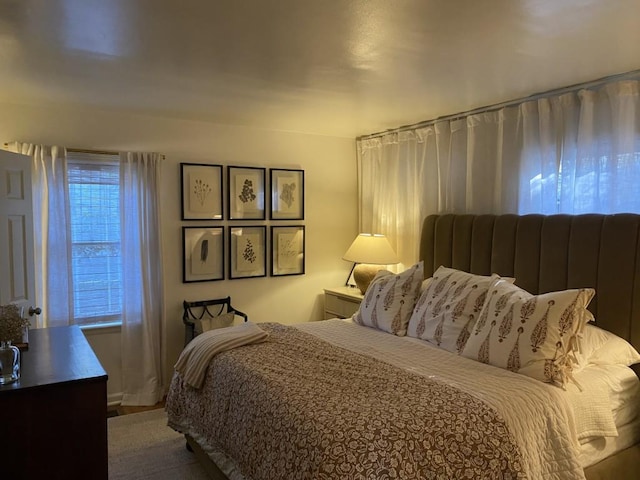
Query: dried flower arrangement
{"points": [[11, 323]]}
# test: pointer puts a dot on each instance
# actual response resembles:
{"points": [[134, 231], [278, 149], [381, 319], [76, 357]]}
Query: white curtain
{"points": [[573, 153], [582, 152], [456, 166], [143, 311], [52, 233]]}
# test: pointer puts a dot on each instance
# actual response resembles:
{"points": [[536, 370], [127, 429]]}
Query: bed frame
{"points": [[549, 253], [545, 253]]}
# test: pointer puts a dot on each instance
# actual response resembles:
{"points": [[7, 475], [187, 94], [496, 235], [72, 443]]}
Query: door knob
{"points": [[34, 311]]}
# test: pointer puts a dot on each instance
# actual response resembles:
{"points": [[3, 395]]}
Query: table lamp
{"points": [[368, 252]]}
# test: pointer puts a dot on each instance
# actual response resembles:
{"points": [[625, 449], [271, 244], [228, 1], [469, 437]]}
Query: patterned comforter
{"points": [[298, 407]]}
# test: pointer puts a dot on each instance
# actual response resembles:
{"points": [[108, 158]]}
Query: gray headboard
{"points": [[548, 253]]}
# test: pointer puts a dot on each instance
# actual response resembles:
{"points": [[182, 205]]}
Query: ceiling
{"points": [[327, 67]]}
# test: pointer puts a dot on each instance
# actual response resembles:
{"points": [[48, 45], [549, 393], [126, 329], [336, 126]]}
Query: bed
{"points": [[242, 427]]}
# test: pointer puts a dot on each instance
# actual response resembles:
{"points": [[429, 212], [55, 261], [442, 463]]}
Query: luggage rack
{"points": [[196, 311]]}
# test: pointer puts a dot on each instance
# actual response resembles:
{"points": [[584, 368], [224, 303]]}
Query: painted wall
{"points": [[330, 204]]}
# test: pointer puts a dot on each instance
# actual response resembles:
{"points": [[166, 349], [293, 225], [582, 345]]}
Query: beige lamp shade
{"points": [[369, 252]]}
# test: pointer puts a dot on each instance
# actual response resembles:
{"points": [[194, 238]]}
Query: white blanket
{"points": [[539, 415], [194, 359]]}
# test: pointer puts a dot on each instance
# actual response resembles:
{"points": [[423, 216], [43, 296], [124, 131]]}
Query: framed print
{"points": [[287, 194], [287, 250], [246, 193], [201, 187], [202, 254], [247, 252]]}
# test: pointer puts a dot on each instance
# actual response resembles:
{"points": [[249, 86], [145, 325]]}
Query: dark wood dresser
{"points": [[53, 420]]}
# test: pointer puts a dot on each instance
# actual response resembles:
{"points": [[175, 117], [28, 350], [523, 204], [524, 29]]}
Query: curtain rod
{"points": [[95, 152], [509, 103], [84, 150], [99, 152]]}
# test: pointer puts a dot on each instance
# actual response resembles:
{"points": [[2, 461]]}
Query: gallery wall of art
{"points": [[218, 247]]}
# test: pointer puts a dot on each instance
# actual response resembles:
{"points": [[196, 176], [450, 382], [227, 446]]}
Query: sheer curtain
{"points": [[142, 306], [573, 153], [52, 233], [456, 166], [582, 152]]}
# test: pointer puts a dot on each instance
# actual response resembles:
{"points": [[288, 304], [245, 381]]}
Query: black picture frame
{"points": [[246, 193], [287, 194], [202, 254], [287, 250], [247, 251], [201, 191]]}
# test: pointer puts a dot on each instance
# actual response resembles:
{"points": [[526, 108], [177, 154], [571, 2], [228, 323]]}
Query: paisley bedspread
{"points": [[298, 407]]}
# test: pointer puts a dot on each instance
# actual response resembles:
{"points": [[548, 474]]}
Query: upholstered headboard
{"points": [[548, 253]]}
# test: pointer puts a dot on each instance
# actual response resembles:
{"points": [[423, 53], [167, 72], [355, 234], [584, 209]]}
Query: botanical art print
{"points": [[201, 191], [203, 251], [287, 194], [247, 252], [202, 260], [200, 194], [287, 250], [247, 257], [246, 193], [247, 199]]}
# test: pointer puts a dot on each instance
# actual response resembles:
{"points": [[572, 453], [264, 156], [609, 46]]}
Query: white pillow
{"points": [[449, 307], [600, 347], [535, 335], [389, 300]]}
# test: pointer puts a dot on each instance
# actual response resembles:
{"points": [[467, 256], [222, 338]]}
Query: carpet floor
{"points": [[141, 446]]}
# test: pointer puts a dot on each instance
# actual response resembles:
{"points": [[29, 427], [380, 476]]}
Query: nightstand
{"points": [[341, 302]]}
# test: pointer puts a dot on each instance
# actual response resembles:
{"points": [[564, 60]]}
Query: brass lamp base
{"points": [[363, 274]]}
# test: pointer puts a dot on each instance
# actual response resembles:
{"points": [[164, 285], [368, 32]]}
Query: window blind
{"points": [[94, 199]]}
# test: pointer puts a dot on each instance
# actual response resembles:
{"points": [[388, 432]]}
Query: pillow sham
{"points": [[449, 307], [601, 347], [389, 300], [535, 335]]}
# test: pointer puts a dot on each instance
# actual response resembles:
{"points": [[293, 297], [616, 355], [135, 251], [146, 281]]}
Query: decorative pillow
{"points": [[449, 307], [600, 347], [389, 300], [535, 335]]}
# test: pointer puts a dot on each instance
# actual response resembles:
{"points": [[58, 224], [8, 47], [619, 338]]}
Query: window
{"points": [[94, 203]]}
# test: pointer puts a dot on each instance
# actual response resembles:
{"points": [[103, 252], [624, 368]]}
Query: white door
{"points": [[17, 272]]}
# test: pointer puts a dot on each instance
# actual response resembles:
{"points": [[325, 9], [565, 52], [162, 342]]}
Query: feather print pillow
{"points": [[448, 308], [535, 335], [389, 300]]}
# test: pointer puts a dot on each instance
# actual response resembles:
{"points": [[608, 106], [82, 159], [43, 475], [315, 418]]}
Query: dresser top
{"points": [[56, 355]]}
